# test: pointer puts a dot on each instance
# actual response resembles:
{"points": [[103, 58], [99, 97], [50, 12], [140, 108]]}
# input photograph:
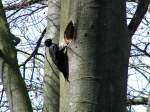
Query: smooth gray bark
{"points": [[98, 58], [148, 106], [13, 83], [51, 78]]}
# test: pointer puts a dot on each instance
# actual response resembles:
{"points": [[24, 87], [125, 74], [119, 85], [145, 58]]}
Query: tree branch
{"points": [[36, 48], [141, 50], [137, 101], [22, 4], [132, 1], [138, 16]]}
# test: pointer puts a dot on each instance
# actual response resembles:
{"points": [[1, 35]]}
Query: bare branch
{"points": [[36, 48], [138, 16], [22, 5], [137, 101]]}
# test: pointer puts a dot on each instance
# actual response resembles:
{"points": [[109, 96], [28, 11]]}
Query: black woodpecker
{"points": [[59, 57]]}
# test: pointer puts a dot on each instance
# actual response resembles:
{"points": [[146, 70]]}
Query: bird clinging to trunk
{"points": [[59, 56]]}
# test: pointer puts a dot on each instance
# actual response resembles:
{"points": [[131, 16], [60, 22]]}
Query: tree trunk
{"points": [[51, 78], [148, 106], [13, 83], [98, 58]]}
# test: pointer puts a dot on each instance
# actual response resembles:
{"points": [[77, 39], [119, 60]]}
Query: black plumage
{"points": [[59, 57]]}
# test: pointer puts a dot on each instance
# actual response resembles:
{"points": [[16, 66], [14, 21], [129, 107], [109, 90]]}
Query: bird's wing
{"points": [[53, 50]]}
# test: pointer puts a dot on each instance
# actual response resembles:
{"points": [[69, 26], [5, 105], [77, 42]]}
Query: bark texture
{"points": [[13, 83], [148, 104], [98, 58], [51, 78]]}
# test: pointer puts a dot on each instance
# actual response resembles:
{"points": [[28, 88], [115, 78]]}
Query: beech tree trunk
{"points": [[98, 58], [51, 78], [13, 83]]}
